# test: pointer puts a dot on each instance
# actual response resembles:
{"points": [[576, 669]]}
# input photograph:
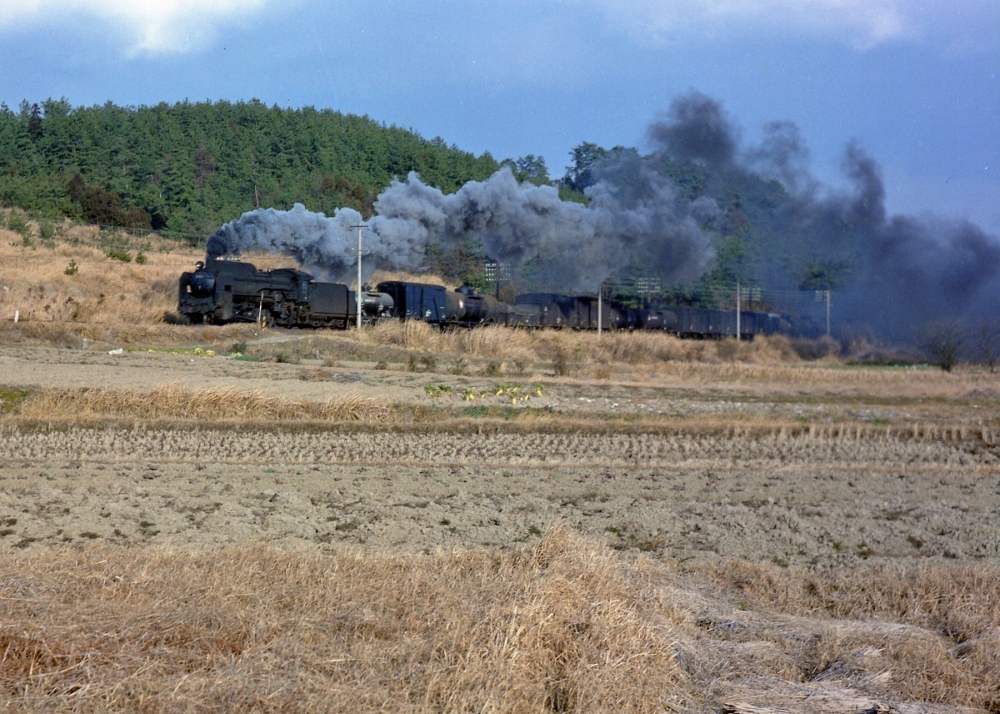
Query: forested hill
{"points": [[192, 166]]}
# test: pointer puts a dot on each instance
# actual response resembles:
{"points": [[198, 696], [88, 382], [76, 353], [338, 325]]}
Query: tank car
{"points": [[439, 306]]}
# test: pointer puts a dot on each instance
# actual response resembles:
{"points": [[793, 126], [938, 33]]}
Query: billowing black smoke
{"points": [[902, 273], [699, 193], [696, 129], [891, 275], [574, 246]]}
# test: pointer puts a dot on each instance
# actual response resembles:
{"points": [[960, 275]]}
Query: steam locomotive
{"points": [[223, 291]]}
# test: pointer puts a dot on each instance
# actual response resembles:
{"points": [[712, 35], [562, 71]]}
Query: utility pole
{"points": [[600, 295], [828, 312], [738, 308], [357, 293]]}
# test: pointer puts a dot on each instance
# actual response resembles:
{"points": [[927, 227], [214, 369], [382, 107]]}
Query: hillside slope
{"points": [[191, 166]]}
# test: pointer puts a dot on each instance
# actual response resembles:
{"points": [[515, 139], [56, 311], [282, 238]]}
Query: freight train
{"points": [[223, 291]]}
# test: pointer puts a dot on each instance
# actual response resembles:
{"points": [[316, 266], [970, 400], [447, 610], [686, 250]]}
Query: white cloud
{"points": [[154, 26], [860, 23]]}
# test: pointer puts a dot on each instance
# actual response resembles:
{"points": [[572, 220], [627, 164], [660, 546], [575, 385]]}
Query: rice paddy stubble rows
{"points": [[459, 443], [803, 498]]}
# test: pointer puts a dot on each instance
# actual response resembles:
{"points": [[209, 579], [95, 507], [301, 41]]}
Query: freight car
{"points": [[221, 291], [581, 313]]}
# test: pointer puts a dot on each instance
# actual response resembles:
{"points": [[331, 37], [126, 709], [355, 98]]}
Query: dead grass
{"points": [[563, 625], [487, 342], [175, 402], [629, 348], [71, 280], [767, 365], [35, 408], [933, 631], [101, 290], [382, 276]]}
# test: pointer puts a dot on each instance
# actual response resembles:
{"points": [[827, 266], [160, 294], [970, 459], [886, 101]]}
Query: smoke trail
{"points": [[912, 271], [670, 211], [574, 246], [696, 129], [324, 244], [900, 273]]}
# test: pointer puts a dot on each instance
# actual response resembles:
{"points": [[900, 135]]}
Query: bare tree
{"points": [[942, 341], [987, 344]]}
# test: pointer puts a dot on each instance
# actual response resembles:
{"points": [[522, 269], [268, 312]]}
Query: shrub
{"points": [[987, 344], [494, 369], [561, 365], [942, 342], [118, 253], [19, 224]]}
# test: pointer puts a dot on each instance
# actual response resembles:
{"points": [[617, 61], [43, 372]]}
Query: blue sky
{"points": [[914, 82]]}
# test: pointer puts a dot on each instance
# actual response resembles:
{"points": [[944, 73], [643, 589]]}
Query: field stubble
{"points": [[561, 625], [335, 528]]}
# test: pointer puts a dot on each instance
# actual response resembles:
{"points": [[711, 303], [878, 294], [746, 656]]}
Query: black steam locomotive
{"points": [[223, 291]]}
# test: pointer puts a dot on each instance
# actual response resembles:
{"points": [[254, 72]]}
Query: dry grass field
{"points": [[401, 519]]}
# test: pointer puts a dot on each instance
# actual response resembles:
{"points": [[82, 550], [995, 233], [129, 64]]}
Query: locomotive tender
{"points": [[221, 291]]}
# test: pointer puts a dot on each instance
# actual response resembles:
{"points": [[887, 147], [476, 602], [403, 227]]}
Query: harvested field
{"points": [[409, 520], [812, 500], [563, 625]]}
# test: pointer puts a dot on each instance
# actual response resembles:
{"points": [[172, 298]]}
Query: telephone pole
{"points": [[600, 306], [827, 312], [357, 293], [738, 308]]}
